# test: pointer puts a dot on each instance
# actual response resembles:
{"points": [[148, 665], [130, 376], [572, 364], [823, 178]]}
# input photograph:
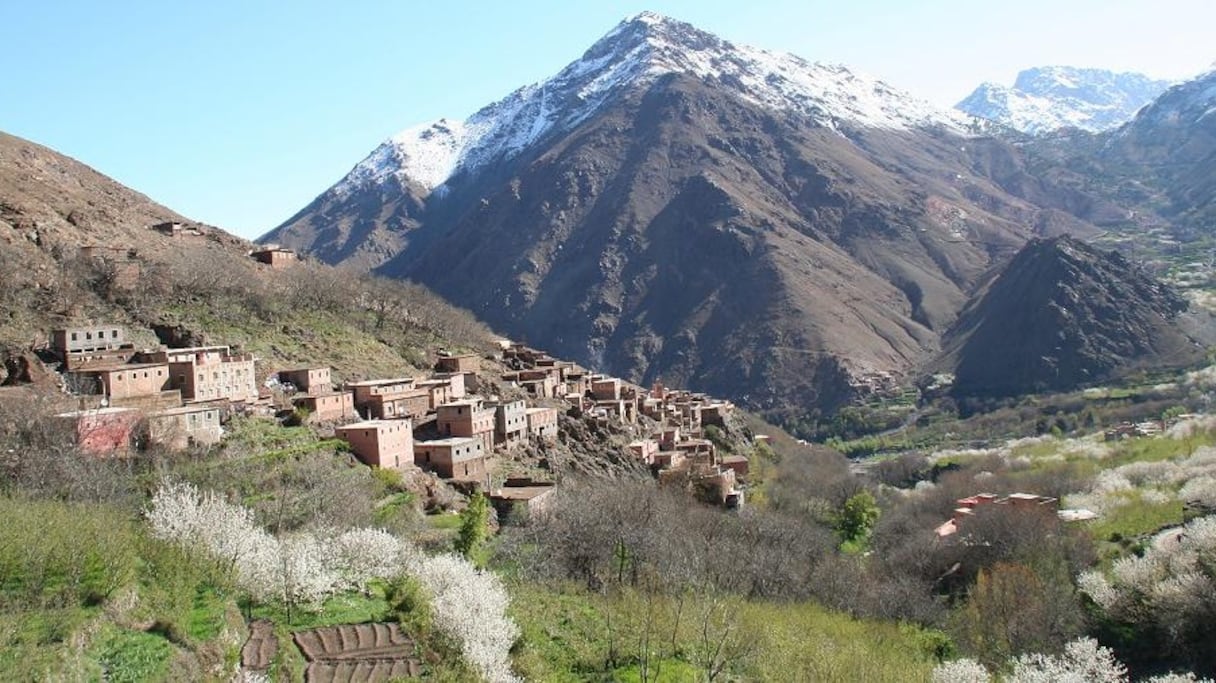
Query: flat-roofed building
{"points": [[542, 423], [411, 403], [330, 407], [468, 418], [86, 339], [381, 443], [178, 428], [510, 421], [458, 362], [457, 457], [208, 373], [315, 381]]}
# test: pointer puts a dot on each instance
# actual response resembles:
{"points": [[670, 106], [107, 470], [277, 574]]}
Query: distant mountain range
{"points": [[1048, 98], [673, 206]]}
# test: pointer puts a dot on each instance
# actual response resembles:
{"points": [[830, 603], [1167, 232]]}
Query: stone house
{"points": [[542, 423], [439, 391], [330, 407], [275, 257], [183, 426], [459, 458], [381, 443], [510, 421], [101, 431], [716, 413], [315, 381], [467, 418], [461, 363], [738, 463]]}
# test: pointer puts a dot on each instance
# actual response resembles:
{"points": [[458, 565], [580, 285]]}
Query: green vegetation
{"points": [[474, 527], [570, 634]]}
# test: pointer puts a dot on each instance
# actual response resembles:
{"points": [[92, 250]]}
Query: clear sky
{"points": [[239, 112]]}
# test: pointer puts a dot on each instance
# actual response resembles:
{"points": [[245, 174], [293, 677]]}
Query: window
{"points": [[113, 334], [88, 335], [73, 336]]}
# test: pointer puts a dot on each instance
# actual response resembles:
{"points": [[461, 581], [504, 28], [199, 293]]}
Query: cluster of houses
{"points": [[677, 453], [1015, 503], [177, 397]]}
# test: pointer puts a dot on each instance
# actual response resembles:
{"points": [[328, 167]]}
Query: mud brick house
{"points": [[510, 421], [87, 339], [621, 410], [365, 389], [314, 381], [456, 384], [459, 458], [577, 384], [439, 391], [538, 383], [467, 418], [118, 382], [329, 407], [605, 388], [716, 413], [101, 431], [275, 257], [460, 363], [521, 494], [381, 443], [738, 463], [411, 403], [644, 450], [542, 423], [208, 373], [1015, 502], [183, 426]]}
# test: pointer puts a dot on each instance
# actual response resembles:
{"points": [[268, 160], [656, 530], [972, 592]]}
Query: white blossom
{"points": [[470, 606], [960, 671], [1083, 661]]}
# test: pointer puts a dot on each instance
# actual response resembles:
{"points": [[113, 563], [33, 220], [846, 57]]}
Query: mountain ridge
{"points": [[1048, 98]]}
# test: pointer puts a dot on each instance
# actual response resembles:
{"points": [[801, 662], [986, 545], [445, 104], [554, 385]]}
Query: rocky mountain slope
{"points": [[1063, 314], [1048, 98], [675, 206]]}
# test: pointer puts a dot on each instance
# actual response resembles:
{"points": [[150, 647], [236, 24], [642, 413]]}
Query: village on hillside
{"points": [[447, 424]]}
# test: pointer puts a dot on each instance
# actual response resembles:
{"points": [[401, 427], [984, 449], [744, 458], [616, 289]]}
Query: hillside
{"points": [[1063, 315], [671, 201], [79, 247]]}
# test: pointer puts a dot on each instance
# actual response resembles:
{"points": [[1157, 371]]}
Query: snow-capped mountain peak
{"points": [[1048, 98], [635, 53]]}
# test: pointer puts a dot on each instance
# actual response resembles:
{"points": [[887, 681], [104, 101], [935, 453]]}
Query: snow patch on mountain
{"points": [[1048, 98], [634, 54]]}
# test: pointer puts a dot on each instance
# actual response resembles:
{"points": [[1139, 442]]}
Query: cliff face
{"points": [[1062, 315]]}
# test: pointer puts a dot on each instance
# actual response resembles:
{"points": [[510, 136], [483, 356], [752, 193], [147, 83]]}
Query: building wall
{"points": [[315, 381], [461, 459], [510, 420], [468, 362], [328, 407], [389, 443], [178, 429], [139, 381], [79, 339], [413, 404], [542, 423], [208, 381]]}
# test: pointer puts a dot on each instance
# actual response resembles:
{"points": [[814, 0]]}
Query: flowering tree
{"points": [[470, 605], [303, 569]]}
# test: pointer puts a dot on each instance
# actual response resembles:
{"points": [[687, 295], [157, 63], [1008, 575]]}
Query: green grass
{"points": [[128, 656], [206, 619], [444, 522], [568, 634], [346, 608], [1136, 518]]}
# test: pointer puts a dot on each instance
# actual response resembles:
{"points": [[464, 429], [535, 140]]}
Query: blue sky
{"points": [[240, 113]]}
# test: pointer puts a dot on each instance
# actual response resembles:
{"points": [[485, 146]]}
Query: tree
{"points": [[474, 526], [857, 517]]}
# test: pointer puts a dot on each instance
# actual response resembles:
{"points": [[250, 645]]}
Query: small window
{"points": [[88, 335], [114, 334], [73, 336]]}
